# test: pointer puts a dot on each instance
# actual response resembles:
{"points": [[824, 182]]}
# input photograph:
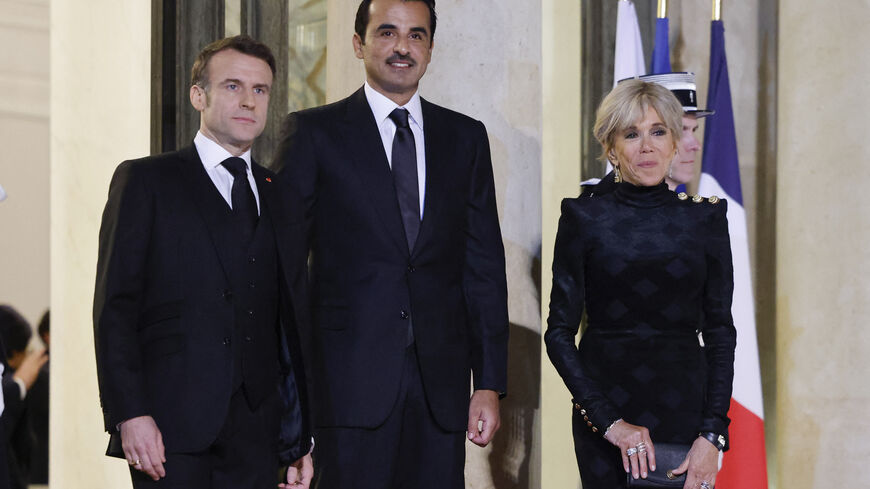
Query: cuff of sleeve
{"points": [[597, 420], [21, 387]]}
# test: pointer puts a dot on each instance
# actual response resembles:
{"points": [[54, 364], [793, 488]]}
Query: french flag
{"points": [[744, 465]]}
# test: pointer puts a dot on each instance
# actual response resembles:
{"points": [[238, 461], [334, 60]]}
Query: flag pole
{"points": [[717, 9], [662, 10]]}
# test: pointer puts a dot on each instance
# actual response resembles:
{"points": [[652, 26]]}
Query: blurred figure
{"points": [[37, 404], [18, 379]]}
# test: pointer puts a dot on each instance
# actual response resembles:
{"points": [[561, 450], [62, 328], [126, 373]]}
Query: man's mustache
{"points": [[401, 58]]}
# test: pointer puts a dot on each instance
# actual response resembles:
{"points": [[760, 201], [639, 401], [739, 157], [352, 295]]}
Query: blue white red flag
{"points": [[744, 465]]}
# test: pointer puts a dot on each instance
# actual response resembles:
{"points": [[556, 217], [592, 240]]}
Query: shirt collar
{"points": [[382, 106], [212, 154]]}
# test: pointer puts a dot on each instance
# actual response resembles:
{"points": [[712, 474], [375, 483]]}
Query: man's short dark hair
{"points": [[15, 330], [362, 18], [44, 325], [243, 44]]}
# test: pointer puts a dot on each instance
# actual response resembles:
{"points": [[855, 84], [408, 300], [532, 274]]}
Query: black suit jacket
{"points": [[366, 285], [163, 306]]}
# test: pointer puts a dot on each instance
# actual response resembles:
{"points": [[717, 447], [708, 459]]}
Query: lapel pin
{"points": [[269, 179]]}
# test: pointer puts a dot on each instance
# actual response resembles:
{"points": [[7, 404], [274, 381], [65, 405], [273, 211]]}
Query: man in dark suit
{"points": [[408, 284], [195, 309], [21, 369]]}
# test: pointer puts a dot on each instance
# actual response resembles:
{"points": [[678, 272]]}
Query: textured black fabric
{"points": [[649, 268], [404, 164], [244, 202]]}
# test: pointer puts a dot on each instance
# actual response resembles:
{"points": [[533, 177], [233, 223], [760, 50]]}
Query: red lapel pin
{"points": [[268, 179]]}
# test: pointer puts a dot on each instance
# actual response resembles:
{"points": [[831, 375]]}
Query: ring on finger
{"points": [[705, 485], [134, 464], [641, 447], [631, 451]]}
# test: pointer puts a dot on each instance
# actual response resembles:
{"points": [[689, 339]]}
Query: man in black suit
{"points": [[19, 376], [195, 310], [408, 283]]}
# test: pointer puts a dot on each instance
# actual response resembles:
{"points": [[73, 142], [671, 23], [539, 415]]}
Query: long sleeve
{"points": [[121, 270], [720, 336], [566, 310], [484, 281]]}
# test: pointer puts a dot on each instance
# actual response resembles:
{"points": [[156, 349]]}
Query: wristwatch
{"points": [[718, 441]]}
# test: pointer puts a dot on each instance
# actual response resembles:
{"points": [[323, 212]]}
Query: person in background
{"points": [[18, 379], [37, 402]]}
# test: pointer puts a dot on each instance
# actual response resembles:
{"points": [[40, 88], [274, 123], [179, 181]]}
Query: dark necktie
{"points": [[244, 203], [404, 165]]}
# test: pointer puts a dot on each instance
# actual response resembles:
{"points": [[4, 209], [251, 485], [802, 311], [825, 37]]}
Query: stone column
{"points": [[823, 260], [100, 99], [561, 178]]}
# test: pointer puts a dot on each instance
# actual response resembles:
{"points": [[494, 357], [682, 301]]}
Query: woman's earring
{"points": [[616, 177]]}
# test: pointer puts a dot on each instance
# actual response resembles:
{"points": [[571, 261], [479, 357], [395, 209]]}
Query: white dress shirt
{"points": [[382, 107], [212, 155]]}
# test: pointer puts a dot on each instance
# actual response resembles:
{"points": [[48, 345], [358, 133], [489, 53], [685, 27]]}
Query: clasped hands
{"points": [[701, 463]]}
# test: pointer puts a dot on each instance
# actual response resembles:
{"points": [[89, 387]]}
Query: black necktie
{"points": [[244, 204], [405, 175]]}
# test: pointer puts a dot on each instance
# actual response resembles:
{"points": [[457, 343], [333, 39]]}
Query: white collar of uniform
{"points": [[382, 106], [213, 154]]}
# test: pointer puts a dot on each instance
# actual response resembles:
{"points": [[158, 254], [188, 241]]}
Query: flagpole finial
{"points": [[717, 9], [662, 10]]}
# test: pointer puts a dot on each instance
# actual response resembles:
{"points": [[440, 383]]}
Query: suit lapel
{"points": [[437, 140], [372, 166], [211, 205]]}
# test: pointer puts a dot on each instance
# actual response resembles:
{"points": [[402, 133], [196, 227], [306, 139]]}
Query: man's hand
{"points": [[143, 446], [29, 368], [483, 419], [299, 474]]}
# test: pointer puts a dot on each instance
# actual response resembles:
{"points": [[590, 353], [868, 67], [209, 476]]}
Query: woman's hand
{"points": [[636, 447], [702, 462]]}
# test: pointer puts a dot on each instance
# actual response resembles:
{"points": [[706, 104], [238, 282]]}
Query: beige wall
{"points": [[100, 106], [823, 226], [560, 178], [24, 166], [489, 70]]}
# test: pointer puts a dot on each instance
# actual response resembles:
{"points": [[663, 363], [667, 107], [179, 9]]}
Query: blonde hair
{"points": [[625, 106]]}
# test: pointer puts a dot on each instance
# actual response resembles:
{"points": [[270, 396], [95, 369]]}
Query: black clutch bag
{"points": [[669, 456]]}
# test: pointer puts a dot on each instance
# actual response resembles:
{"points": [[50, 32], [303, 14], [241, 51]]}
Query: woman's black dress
{"points": [[652, 270]]}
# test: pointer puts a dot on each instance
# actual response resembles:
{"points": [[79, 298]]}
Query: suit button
{"points": [[251, 285], [250, 314], [252, 260], [594, 429], [228, 295], [404, 314], [227, 341], [248, 339], [411, 268], [589, 423]]}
